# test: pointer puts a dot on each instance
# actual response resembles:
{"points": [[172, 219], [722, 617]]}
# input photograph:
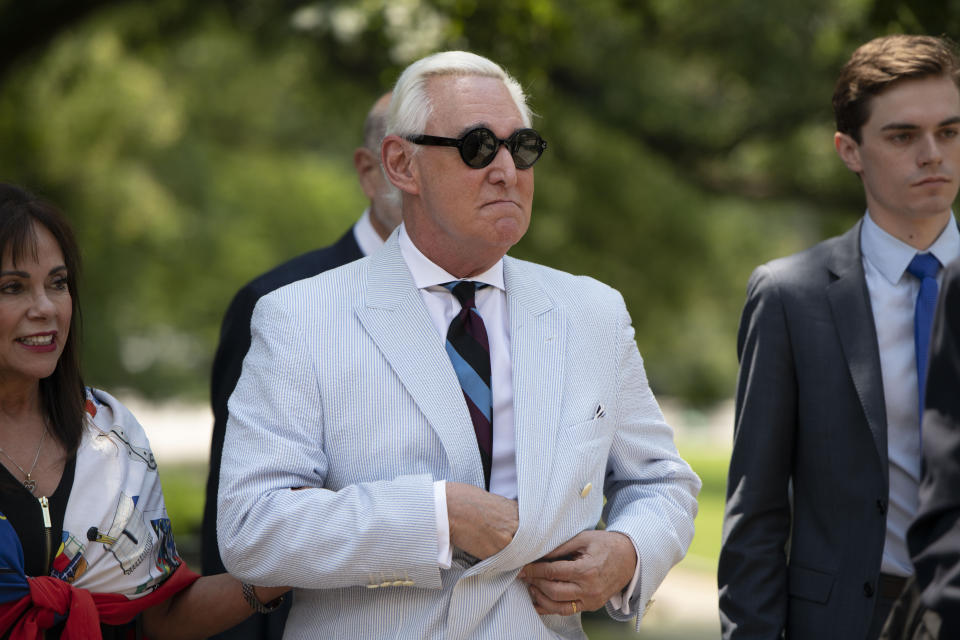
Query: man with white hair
{"points": [[429, 455]]}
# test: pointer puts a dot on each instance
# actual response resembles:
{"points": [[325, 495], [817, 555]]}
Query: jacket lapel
{"points": [[396, 319], [852, 315], [537, 343]]}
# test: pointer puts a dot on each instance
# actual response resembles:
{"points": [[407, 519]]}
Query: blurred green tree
{"points": [[197, 144]]}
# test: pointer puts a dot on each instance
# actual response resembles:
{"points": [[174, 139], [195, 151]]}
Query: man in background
{"points": [[825, 469], [365, 237]]}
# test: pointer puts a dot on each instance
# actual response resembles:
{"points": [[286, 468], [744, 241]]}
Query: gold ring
{"points": [[574, 605]]}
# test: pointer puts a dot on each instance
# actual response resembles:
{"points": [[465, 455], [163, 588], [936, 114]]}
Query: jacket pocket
{"points": [[810, 584]]}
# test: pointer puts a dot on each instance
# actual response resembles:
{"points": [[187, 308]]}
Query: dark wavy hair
{"points": [[878, 64], [62, 393]]}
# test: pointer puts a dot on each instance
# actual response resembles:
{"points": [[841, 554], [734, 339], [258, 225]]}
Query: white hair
{"points": [[410, 107]]}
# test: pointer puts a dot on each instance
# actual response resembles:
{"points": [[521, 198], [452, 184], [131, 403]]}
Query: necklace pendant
{"points": [[30, 483]]}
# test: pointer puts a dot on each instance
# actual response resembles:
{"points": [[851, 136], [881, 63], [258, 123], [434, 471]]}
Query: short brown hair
{"points": [[878, 64]]}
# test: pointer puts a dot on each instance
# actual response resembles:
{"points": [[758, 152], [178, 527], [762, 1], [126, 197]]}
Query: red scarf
{"points": [[51, 599]]}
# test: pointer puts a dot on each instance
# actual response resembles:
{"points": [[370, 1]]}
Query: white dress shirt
{"points": [[366, 236], [491, 302], [893, 295]]}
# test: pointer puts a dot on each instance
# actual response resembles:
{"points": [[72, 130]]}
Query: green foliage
{"points": [[183, 494], [712, 466], [197, 144]]}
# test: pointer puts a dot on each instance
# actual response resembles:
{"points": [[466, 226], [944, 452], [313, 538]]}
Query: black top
{"points": [[23, 511]]}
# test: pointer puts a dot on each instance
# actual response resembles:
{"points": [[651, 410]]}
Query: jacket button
{"points": [[868, 589], [881, 506], [586, 490]]}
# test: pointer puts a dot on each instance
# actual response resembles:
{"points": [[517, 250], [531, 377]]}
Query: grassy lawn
{"points": [[711, 465], [184, 487]]}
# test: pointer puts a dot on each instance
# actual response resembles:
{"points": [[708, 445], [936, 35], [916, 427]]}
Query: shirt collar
{"points": [[366, 236], [891, 256], [427, 274]]}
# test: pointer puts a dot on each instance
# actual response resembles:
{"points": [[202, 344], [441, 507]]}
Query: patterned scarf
{"points": [[117, 556]]}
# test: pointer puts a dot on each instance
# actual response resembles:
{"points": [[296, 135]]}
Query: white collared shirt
{"points": [[492, 305], [893, 296], [366, 236]]}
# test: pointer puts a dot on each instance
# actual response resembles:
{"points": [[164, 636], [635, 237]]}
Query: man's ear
{"points": [[399, 165], [365, 161], [849, 151]]}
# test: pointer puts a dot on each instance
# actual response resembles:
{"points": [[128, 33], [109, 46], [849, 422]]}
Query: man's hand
{"points": [[481, 523], [582, 573]]}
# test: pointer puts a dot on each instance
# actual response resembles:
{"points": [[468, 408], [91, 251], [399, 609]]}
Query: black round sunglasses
{"points": [[478, 147]]}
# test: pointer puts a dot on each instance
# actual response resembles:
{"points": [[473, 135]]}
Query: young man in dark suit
{"points": [[825, 468], [364, 237]]}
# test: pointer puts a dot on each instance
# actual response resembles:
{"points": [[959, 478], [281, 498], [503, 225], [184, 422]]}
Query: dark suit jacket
{"points": [[807, 491], [234, 343], [934, 538]]}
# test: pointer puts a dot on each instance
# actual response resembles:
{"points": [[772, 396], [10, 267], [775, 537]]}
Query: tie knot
{"points": [[924, 265], [464, 291]]}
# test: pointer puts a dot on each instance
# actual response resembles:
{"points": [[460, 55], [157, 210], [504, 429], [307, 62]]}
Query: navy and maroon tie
{"points": [[469, 351]]}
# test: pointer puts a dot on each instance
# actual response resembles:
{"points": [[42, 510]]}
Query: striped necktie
{"points": [[923, 267], [469, 352]]}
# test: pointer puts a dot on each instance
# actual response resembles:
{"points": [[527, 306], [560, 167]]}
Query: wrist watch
{"points": [[251, 597]]}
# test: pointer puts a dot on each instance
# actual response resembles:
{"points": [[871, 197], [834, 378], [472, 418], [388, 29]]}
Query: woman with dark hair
{"points": [[86, 548]]}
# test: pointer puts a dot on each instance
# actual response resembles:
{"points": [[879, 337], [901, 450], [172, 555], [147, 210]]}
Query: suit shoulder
{"points": [[332, 289], [305, 265], [569, 289], [804, 270]]}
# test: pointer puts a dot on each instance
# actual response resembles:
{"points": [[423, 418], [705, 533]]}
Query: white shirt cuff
{"points": [[621, 601], [444, 550]]}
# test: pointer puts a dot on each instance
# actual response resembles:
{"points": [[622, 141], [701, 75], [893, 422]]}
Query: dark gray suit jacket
{"points": [[807, 491], [934, 538]]}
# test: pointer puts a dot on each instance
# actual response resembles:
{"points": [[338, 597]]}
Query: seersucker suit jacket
{"points": [[347, 390], [807, 491], [228, 361], [227, 364]]}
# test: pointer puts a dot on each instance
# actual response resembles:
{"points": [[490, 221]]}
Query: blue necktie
{"points": [[469, 351], [923, 267]]}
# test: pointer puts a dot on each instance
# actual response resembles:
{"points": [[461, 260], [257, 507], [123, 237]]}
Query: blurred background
{"points": [[196, 144]]}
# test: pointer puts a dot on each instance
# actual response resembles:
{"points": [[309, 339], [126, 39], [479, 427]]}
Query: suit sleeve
{"points": [[651, 492], [276, 526], [752, 571], [934, 538]]}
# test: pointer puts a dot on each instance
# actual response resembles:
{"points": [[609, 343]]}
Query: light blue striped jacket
{"points": [[347, 387]]}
